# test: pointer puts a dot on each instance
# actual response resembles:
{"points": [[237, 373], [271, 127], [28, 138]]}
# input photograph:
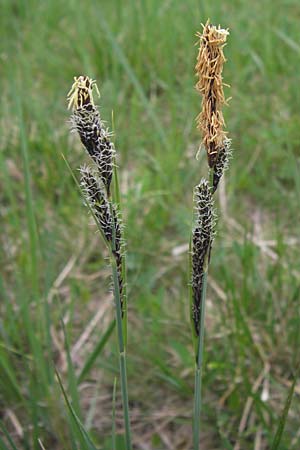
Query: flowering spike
{"points": [[209, 68], [93, 134], [106, 217], [202, 238]]}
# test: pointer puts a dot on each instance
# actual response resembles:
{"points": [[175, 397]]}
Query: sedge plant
{"points": [[211, 123], [99, 183]]}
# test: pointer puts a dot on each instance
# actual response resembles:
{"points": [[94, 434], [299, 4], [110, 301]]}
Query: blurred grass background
{"points": [[53, 265]]}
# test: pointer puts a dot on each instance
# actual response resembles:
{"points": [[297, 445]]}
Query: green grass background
{"points": [[53, 264]]}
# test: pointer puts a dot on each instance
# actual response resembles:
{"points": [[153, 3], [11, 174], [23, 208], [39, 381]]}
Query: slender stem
{"points": [[117, 201], [121, 344], [122, 354], [113, 434], [198, 369]]}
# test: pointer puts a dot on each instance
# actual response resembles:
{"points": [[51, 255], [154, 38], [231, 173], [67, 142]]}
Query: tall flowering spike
{"points": [[209, 69], [222, 162], [106, 217], [202, 238], [93, 134]]}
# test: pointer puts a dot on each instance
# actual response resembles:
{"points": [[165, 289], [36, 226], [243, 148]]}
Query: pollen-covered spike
{"points": [[202, 238], [93, 134], [209, 69], [222, 162]]}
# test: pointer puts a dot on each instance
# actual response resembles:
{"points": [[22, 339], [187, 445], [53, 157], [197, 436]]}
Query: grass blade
{"points": [[96, 352], [82, 434], [31, 220], [132, 76], [284, 414], [71, 374], [288, 41], [8, 437], [8, 376]]}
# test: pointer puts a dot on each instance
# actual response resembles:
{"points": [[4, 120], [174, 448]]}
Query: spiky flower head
{"points": [[209, 69], [202, 238], [87, 122], [222, 162], [106, 216]]}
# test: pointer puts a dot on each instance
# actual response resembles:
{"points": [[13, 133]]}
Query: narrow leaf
{"points": [[284, 414], [84, 437]]}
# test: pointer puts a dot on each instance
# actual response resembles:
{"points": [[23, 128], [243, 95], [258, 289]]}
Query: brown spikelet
{"points": [[209, 68]]}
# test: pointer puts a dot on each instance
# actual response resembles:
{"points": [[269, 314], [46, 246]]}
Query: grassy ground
{"points": [[53, 263]]}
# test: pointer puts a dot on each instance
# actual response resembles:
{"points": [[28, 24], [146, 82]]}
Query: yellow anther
{"points": [[81, 92]]}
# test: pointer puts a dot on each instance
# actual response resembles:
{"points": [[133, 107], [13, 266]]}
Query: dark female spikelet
{"points": [[202, 238], [105, 215], [93, 134], [222, 162], [96, 198]]}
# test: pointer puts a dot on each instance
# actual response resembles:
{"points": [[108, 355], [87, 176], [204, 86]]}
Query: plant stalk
{"points": [[122, 355], [198, 369], [121, 344]]}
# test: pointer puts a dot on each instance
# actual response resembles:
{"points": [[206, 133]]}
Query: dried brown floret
{"points": [[209, 68]]}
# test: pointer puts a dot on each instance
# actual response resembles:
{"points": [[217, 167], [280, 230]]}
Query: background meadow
{"points": [[53, 265]]}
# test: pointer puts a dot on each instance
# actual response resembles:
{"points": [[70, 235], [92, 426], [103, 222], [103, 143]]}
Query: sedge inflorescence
{"points": [[96, 181], [210, 121], [87, 122]]}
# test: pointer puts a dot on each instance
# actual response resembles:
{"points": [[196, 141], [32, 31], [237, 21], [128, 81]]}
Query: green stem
{"points": [[122, 347], [114, 417], [122, 353], [198, 369]]}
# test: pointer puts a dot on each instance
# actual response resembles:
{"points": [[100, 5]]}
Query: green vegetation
{"points": [[53, 263]]}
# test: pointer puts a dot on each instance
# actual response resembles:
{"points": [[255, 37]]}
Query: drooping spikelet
{"points": [[209, 68], [222, 162], [93, 134], [106, 216], [201, 245]]}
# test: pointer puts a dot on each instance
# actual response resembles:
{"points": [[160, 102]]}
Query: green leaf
{"points": [[83, 436], [8, 437], [284, 414]]}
